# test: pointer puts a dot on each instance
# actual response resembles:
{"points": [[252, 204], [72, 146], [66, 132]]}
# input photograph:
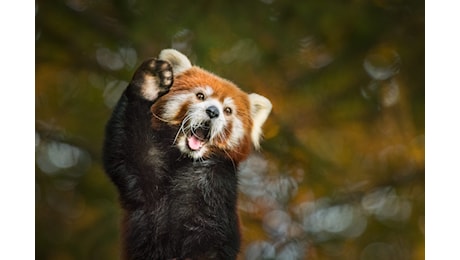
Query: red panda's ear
{"points": [[178, 61], [260, 109]]}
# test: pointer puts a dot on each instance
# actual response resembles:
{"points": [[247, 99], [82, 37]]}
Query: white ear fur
{"points": [[179, 61], [260, 109]]}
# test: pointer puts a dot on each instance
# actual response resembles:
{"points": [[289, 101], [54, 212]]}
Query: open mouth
{"points": [[198, 137]]}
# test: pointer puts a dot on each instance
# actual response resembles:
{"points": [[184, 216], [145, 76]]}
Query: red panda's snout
{"points": [[211, 115]]}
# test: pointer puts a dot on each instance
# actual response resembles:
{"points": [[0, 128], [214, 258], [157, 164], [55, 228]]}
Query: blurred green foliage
{"points": [[341, 173]]}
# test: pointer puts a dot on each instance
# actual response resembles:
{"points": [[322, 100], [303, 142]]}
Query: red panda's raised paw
{"points": [[164, 72], [153, 78]]}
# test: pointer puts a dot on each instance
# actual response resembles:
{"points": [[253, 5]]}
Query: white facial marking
{"points": [[228, 102], [237, 131], [175, 103], [208, 91], [236, 134]]}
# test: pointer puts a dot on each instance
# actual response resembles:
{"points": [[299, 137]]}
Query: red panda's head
{"points": [[213, 115]]}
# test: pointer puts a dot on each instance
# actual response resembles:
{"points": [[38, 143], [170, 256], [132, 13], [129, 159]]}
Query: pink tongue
{"points": [[194, 143]]}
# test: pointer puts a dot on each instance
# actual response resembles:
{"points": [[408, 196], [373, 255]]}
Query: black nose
{"points": [[212, 112]]}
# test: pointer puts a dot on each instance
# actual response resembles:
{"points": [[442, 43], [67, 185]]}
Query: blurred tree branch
{"points": [[53, 133]]}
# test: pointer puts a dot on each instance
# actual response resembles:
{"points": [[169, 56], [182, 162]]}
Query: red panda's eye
{"points": [[200, 96], [228, 111]]}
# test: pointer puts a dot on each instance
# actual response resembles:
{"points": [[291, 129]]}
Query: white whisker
{"points": [[161, 119], [182, 128]]}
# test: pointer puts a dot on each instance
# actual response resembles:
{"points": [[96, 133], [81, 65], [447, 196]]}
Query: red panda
{"points": [[172, 148]]}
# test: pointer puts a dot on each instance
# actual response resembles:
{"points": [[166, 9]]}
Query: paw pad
{"points": [[153, 79], [164, 72]]}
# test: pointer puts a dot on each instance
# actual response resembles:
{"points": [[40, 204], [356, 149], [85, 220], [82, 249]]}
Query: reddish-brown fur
{"points": [[197, 77]]}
